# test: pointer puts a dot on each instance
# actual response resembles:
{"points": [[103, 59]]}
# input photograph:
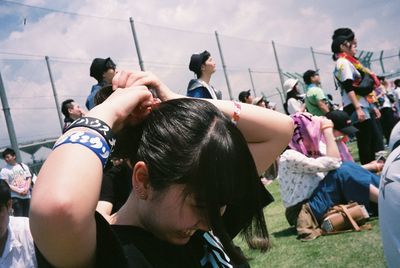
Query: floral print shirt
{"points": [[299, 175]]}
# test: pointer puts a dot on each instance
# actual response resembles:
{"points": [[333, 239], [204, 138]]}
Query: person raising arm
{"points": [[64, 226]]}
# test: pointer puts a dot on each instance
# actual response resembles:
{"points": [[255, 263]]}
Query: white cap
{"points": [[256, 100], [289, 84]]}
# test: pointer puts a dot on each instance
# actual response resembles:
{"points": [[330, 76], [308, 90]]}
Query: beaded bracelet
{"points": [[97, 125], [236, 112], [95, 143]]}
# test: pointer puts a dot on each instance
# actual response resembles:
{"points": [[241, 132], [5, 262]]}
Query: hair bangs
{"points": [[225, 169]]}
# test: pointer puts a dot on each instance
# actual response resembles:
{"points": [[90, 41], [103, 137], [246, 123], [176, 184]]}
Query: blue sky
{"points": [[169, 32]]}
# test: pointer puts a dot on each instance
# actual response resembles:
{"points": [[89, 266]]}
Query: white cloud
{"points": [[35, 2], [166, 51], [307, 12]]}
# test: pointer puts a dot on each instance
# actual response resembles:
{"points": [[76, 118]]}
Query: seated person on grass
{"points": [[319, 181], [342, 129]]}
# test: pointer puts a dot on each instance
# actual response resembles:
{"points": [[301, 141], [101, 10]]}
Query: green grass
{"points": [[352, 249]]}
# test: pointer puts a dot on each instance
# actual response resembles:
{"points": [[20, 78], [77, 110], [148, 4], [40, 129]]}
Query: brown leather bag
{"points": [[342, 218]]}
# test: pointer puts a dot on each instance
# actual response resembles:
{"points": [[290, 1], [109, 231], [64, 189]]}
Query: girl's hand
{"points": [[125, 79], [124, 106], [360, 115]]}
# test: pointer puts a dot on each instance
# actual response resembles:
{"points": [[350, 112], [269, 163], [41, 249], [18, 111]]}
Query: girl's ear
{"points": [[140, 180]]}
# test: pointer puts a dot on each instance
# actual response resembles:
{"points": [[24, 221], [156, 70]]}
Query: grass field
{"points": [[353, 249]]}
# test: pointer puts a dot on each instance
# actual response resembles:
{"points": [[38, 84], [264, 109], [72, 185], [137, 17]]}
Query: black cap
{"points": [[99, 67], [307, 76], [341, 121], [243, 95], [339, 37], [196, 60]]}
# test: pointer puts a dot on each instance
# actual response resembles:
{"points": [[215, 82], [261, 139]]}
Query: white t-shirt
{"points": [[16, 176], [19, 251], [300, 175], [396, 94], [294, 105], [386, 103], [394, 135], [345, 70], [389, 212]]}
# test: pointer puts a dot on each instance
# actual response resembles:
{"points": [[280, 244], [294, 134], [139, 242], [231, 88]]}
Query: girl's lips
{"points": [[187, 233]]}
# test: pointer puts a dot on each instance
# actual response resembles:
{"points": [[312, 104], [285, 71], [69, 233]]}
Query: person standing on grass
{"points": [[316, 101], [18, 176], [203, 65], [358, 102], [396, 94], [294, 102], [245, 97], [16, 244], [387, 120], [71, 111], [103, 70]]}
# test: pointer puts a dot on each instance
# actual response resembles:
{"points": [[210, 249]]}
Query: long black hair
{"points": [[190, 142], [339, 37]]}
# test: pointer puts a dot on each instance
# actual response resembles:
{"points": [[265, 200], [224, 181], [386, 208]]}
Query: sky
{"points": [[71, 33]]}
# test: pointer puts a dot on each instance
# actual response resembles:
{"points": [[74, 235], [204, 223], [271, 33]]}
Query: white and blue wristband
{"points": [[96, 143], [97, 125]]}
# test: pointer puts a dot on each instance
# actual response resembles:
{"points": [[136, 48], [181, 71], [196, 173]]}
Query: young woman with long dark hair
{"points": [[191, 165]]}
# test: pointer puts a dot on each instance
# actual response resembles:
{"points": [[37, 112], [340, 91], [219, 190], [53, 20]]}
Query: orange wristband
{"points": [[326, 126], [236, 112]]}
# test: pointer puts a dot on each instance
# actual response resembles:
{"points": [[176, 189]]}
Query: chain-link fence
{"points": [[250, 64]]}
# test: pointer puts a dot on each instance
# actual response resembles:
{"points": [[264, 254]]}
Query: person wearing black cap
{"points": [[387, 120], [342, 129], [203, 66], [341, 122], [103, 70], [245, 97], [396, 94], [357, 101], [316, 101]]}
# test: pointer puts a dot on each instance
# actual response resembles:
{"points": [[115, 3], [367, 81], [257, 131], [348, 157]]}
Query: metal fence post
{"points": [[381, 61], [315, 64], [313, 57], [135, 39], [282, 98], [224, 66], [53, 86], [252, 83], [10, 124], [277, 64]]}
